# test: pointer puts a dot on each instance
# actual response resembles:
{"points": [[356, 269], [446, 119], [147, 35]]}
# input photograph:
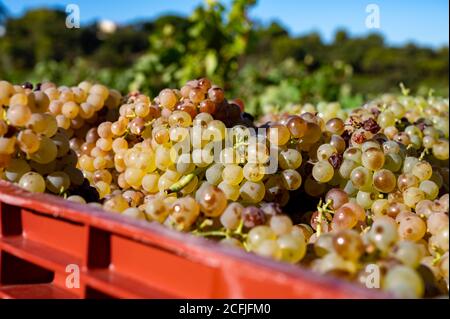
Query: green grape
{"points": [[47, 151], [346, 168], [325, 151], [180, 118], [167, 98], [258, 234], [257, 153], [344, 218], [62, 144], [373, 158], [184, 213], [379, 207], [212, 200], [436, 221], [366, 199], [156, 210], [385, 119], [337, 197], [292, 248], [278, 134], [361, 178], [297, 126], [213, 173], [232, 192], [18, 115], [391, 147], [253, 172], [232, 174], [403, 282], [202, 119], [383, 233], [338, 142], [412, 196], [163, 158], [252, 192], [77, 199], [322, 171], [335, 126], [393, 162], [369, 144], [103, 189], [202, 157], [408, 253], [290, 159], [184, 164], [422, 170], [430, 189], [232, 216], [353, 154], [268, 248], [134, 176], [16, 169], [384, 181], [57, 182], [7, 145], [411, 227], [440, 150], [323, 245], [409, 163], [281, 224], [51, 125], [348, 244], [407, 180], [291, 179], [32, 182]]}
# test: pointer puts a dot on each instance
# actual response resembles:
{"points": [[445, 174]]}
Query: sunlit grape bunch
{"points": [[34, 152], [338, 191]]}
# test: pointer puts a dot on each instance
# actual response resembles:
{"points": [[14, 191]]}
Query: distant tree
{"points": [[39, 35]]}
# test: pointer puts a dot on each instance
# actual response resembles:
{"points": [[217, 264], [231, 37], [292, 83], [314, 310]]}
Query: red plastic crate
{"points": [[40, 235]]}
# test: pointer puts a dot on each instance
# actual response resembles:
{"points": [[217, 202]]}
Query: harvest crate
{"points": [[41, 235]]}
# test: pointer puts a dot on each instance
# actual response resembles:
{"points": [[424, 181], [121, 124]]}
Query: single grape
{"points": [[403, 282], [231, 216], [323, 171], [32, 182]]}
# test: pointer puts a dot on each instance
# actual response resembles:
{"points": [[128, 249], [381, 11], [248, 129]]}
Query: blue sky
{"points": [[423, 22]]}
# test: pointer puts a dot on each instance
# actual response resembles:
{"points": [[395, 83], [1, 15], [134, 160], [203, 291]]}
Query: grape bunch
{"points": [[34, 152], [338, 191]]}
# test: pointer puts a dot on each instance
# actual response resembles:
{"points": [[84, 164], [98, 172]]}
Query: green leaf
{"points": [[211, 62]]}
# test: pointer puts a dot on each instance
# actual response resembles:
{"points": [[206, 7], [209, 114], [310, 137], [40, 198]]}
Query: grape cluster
{"points": [[34, 152], [334, 190]]}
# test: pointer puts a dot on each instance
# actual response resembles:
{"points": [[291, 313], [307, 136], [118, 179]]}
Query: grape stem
{"points": [[184, 181], [322, 208], [423, 154], [225, 233], [439, 254], [404, 89]]}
